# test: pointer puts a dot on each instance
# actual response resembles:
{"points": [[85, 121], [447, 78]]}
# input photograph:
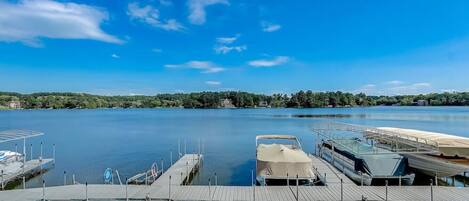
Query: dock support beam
{"points": [[169, 187], [297, 194], [341, 189]]}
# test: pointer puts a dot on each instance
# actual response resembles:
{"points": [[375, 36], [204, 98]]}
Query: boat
{"points": [[10, 162], [282, 161], [364, 163], [450, 158], [9, 156]]}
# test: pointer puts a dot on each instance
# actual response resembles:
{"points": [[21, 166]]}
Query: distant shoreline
{"points": [[226, 99]]}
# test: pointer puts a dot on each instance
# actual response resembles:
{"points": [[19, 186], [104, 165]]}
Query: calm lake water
{"points": [[130, 140]]}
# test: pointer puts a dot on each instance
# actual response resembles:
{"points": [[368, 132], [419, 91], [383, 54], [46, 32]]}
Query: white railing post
{"points": [[126, 189], [341, 189], [297, 194], [431, 190], [43, 190], [386, 182], [65, 178], [209, 190], [169, 187], [86, 190]]}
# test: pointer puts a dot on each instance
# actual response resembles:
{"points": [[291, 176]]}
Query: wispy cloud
{"points": [[197, 9], [29, 20], [202, 66], [400, 89], [213, 83], [269, 63], [150, 15], [269, 27], [223, 46], [115, 56], [394, 82]]}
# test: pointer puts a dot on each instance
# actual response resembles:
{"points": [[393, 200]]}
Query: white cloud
{"points": [[415, 88], [115, 56], [269, 27], [394, 82], [197, 9], [222, 45], [269, 63], [29, 20], [150, 15], [227, 40], [213, 83], [203, 66], [157, 50]]}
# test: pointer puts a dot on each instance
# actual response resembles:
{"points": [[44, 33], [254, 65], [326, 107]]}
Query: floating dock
{"points": [[170, 186], [31, 167]]}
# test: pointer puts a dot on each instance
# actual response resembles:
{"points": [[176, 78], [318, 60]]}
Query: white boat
{"points": [[278, 163], [9, 156], [451, 157], [10, 162]]}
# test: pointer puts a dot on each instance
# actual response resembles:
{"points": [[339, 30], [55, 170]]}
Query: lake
{"points": [[130, 140]]}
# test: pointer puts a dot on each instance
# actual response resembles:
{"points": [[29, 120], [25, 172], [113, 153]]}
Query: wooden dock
{"points": [[30, 167], [170, 186]]}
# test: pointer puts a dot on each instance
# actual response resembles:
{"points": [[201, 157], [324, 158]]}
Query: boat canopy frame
{"points": [[279, 137], [17, 134], [388, 140]]}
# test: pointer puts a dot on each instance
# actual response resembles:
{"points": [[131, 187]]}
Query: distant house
{"points": [[226, 103], [422, 103], [263, 104], [14, 104]]}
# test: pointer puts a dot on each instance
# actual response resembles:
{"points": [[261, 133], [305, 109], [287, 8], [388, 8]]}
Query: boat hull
{"points": [[431, 165]]}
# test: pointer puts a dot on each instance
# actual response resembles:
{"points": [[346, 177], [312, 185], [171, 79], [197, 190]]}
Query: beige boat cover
{"points": [[449, 145], [276, 160]]}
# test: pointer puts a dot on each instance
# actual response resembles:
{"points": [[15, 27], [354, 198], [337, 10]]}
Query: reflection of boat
{"points": [[451, 158], [364, 163], [279, 162]]}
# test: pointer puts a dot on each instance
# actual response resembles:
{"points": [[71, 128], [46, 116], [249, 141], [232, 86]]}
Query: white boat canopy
{"points": [[449, 145], [11, 135]]}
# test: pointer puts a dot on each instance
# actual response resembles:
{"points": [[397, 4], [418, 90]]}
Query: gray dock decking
{"points": [[160, 189]]}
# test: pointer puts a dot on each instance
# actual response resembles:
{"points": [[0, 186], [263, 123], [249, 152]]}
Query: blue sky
{"points": [[159, 46]]}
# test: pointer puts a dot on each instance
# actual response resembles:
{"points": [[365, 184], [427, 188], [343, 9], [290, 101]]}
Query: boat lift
{"points": [[27, 167], [392, 141]]}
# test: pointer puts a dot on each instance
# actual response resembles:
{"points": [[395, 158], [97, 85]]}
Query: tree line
{"points": [[301, 99]]}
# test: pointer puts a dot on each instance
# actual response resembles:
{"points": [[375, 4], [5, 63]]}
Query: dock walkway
{"points": [[30, 167], [328, 174]]}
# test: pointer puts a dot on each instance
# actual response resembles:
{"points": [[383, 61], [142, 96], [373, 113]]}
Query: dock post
{"points": [[43, 190], [179, 148], [2, 181], [65, 178], [31, 149], [171, 157], [185, 146], [24, 162], [187, 172], [325, 178], [341, 189], [454, 183], [169, 187], [288, 180], [361, 178], [53, 154], [182, 180], [400, 178], [297, 195], [386, 182], [73, 178], [431, 190], [86, 191], [253, 186], [40, 155], [126, 193], [209, 190], [216, 179]]}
